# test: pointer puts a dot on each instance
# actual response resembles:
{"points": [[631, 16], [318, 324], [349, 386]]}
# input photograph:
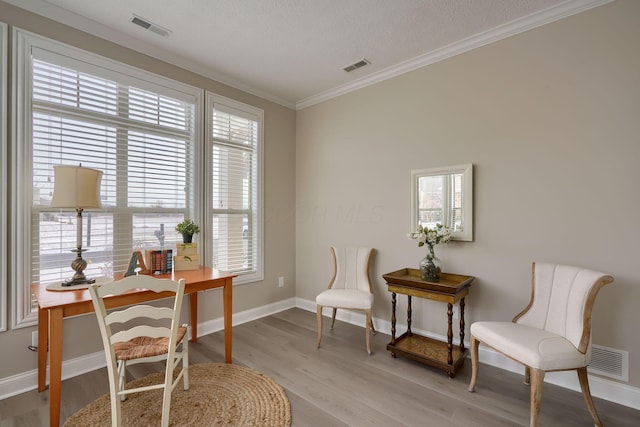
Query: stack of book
{"points": [[187, 257], [159, 261]]}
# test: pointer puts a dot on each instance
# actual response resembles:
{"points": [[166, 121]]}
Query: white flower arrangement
{"points": [[431, 236]]}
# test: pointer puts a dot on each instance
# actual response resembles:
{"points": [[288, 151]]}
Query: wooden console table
{"points": [[450, 289]]}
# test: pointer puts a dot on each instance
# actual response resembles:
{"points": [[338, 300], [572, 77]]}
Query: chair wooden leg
{"points": [[333, 317], [122, 373], [373, 330], [116, 413], [166, 396], [536, 395], [586, 394], [185, 363], [114, 388], [474, 363], [527, 375], [319, 317], [368, 330]]}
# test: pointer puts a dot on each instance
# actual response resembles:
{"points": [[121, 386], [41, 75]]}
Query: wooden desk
{"points": [[450, 289], [53, 306]]}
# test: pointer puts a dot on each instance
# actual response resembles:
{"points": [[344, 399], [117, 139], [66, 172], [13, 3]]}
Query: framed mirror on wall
{"points": [[444, 195], [3, 176]]}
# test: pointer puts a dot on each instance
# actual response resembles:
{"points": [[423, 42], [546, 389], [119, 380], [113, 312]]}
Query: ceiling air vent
{"points": [[147, 25], [357, 65]]}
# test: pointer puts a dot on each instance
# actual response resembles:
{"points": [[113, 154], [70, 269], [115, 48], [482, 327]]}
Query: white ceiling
{"points": [[293, 51]]}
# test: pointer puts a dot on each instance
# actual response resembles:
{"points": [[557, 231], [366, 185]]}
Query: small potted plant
{"points": [[187, 228]]}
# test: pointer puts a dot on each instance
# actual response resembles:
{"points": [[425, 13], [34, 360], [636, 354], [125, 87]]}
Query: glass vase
{"points": [[430, 267]]}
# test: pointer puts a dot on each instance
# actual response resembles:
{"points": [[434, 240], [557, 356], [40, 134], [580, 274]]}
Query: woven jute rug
{"points": [[218, 395]]}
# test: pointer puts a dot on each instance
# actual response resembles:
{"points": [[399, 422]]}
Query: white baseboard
{"points": [[20, 383], [603, 388], [215, 325], [26, 381], [600, 387]]}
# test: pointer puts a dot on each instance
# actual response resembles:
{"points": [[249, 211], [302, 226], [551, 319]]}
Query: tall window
{"points": [[235, 196], [138, 128]]}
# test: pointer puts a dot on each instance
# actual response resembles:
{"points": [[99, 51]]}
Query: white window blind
{"points": [[138, 132], [236, 218]]}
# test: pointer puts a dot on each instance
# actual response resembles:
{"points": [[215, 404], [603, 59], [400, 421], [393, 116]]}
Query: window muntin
{"points": [[139, 129]]}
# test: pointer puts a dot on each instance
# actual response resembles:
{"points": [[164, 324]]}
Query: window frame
{"points": [[3, 175], [22, 144], [211, 100]]}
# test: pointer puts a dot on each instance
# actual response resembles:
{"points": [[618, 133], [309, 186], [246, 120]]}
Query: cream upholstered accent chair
{"points": [[350, 288], [152, 342], [553, 333]]}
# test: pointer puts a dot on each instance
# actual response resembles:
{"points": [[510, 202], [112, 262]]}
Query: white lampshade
{"points": [[76, 187]]}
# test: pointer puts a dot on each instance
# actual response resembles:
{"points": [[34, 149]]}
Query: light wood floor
{"points": [[340, 385]]}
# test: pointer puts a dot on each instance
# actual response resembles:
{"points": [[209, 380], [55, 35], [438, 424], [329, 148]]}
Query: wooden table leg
{"points": [[55, 365], [193, 309], [462, 325], [393, 321], [409, 315], [43, 346], [228, 323], [450, 334]]}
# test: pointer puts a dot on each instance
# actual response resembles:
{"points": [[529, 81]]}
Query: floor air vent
{"points": [[609, 362]]}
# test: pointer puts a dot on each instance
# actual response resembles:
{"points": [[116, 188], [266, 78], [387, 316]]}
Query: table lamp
{"points": [[76, 187]]}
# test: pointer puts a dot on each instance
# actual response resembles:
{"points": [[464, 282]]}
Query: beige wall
{"points": [[81, 335], [550, 119]]}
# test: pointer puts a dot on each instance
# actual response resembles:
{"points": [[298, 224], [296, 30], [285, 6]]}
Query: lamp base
{"points": [[78, 265], [74, 282]]}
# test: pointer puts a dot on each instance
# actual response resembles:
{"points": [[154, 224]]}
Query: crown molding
{"points": [[95, 28], [517, 26], [534, 20]]}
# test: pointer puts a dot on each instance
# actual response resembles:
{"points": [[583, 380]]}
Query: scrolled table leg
{"points": [[450, 334], [393, 322], [393, 318], [409, 313], [462, 325]]}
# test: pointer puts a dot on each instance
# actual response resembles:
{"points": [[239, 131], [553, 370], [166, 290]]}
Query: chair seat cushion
{"points": [[139, 347], [530, 346], [345, 298]]}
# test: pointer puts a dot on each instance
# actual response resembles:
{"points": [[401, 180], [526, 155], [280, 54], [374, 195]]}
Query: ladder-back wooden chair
{"points": [[142, 343]]}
